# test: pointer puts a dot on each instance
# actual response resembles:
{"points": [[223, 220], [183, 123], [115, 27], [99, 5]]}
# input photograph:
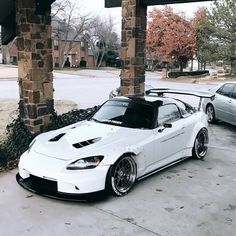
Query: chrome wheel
{"points": [[201, 144], [122, 176], [210, 114]]}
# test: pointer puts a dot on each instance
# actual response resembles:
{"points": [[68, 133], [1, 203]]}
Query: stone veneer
{"points": [[133, 40], [34, 65]]}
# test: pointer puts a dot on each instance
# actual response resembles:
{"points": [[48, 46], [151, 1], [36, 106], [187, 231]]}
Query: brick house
{"points": [[70, 44], [79, 48]]}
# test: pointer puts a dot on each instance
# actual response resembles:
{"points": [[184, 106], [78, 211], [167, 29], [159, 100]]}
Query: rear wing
{"points": [[161, 91]]}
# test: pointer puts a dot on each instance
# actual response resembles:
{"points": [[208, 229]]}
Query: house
{"points": [[67, 45]]}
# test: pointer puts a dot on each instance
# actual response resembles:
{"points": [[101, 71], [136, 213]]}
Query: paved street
{"points": [[196, 198], [78, 88]]}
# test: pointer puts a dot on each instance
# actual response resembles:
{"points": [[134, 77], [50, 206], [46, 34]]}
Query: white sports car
{"points": [[127, 139]]}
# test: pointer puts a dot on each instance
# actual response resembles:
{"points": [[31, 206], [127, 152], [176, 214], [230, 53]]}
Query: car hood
{"points": [[85, 139]]}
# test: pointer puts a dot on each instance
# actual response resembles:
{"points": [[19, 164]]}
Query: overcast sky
{"points": [[97, 7]]}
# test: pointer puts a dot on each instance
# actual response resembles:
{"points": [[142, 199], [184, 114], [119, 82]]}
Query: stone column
{"points": [[134, 21], [34, 65]]}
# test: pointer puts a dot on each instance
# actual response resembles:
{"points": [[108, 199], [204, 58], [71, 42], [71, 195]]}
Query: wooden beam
{"points": [[112, 3], [117, 3], [6, 8]]}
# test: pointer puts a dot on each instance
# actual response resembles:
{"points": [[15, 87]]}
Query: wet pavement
{"points": [[196, 198]]}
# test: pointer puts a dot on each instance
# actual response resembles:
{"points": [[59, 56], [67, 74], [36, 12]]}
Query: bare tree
{"points": [[59, 7], [68, 26], [101, 37]]}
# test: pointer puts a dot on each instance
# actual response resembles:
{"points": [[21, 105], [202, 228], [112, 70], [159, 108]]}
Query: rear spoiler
{"points": [[161, 91]]}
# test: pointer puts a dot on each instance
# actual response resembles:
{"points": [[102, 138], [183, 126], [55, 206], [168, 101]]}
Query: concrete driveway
{"points": [[194, 198]]}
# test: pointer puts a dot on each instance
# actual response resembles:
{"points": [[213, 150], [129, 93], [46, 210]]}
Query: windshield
{"points": [[126, 113]]}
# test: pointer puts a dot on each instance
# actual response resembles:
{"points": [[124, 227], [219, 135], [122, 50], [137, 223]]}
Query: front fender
{"points": [[112, 157]]}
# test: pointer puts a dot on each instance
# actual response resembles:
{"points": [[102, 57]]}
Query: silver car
{"points": [[223, 106]]}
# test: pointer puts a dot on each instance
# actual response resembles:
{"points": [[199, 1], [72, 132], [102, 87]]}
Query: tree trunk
{"points": [[7, 54], [61, 57], [96, 60], [233, 66], [181, 66], [101, 59]]}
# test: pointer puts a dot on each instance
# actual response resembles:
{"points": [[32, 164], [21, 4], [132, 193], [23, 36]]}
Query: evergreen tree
{"points": [[222, 25]]}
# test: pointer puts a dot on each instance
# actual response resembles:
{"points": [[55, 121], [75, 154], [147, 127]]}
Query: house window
{"points": [[13, 60], [56, 44], [56, 61], [82, 45]]}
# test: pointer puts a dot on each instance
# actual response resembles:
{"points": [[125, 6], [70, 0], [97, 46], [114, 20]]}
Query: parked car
{"points": [[223, 106], [116, 92], [127, 139]]}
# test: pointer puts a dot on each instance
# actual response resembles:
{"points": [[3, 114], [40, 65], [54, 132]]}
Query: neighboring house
{"points": [[60, 44], [78, 52], [68, 43], [9, 53]]}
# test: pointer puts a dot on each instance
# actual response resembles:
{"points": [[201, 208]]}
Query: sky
{"points": [[97, 7]]}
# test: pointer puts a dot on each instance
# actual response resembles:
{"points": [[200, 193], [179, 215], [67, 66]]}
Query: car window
{"points": [[185, 109], [126, 113], [226, 90], [168, 114], [234, 92]]}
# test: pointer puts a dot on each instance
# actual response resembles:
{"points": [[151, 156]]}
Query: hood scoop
{"points": [[86, 143], [57, 138]]}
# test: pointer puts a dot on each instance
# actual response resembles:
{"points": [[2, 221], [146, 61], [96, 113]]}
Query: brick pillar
{"points": [[34, 65], [134, 21]]}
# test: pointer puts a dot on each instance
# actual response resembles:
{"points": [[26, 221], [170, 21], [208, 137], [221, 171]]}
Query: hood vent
{"points": [[86, 143], [56, 138]]}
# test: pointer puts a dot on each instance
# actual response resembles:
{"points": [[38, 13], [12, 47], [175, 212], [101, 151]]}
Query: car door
{"points": [[232, 103], [168, 142], [223, 102]]}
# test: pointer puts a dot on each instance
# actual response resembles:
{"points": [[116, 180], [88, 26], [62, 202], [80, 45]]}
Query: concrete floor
{"points": [[196, 198]]}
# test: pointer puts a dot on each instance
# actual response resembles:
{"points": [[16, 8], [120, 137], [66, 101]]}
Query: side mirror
{"points": [[165, 126]]}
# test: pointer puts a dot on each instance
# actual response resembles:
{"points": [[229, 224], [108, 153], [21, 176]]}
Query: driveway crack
{"points": [[128, 220]]}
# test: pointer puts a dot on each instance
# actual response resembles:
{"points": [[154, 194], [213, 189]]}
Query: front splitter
{"points": [[88, 197]]}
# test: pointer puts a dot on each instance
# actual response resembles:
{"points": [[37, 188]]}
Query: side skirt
{"points": [[162, 168]]}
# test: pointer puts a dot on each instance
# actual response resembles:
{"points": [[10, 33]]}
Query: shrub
{"points": [[18, 136], [83, 63], [177, 74], [17, 141]]}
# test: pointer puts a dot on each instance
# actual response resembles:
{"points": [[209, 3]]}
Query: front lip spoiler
{"points": [[88, 197]]}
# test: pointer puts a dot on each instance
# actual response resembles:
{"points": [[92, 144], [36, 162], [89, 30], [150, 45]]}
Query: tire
{"points": [[121, 176], [200, 144], [210, 111]]}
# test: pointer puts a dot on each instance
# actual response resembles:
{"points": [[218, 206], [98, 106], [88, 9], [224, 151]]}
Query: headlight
{"points": [[85, 163]]}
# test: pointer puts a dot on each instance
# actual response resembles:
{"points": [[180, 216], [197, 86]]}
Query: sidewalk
{"points": [[8, 72]]}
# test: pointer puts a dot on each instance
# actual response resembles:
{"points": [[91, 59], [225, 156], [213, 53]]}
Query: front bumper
{"points": [[28, 184], [49, 177]]}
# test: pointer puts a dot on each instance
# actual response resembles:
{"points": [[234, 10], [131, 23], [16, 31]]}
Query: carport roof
{"points": [[6, 7]]}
